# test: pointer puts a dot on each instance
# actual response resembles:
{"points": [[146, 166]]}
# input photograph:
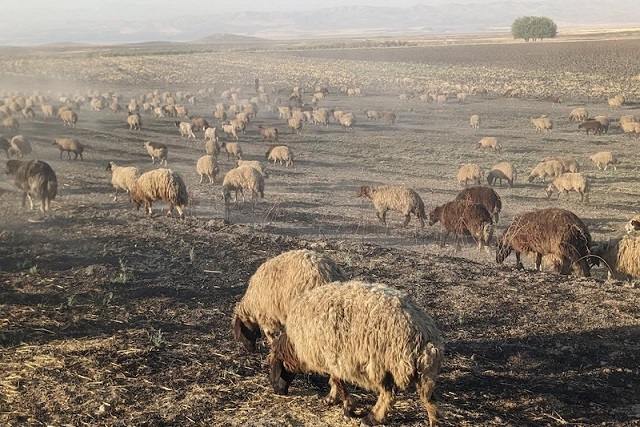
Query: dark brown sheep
{"points": [[552, 231], [486, 196], [270, 134], [591, 125], [466, 218], [36, 179]]}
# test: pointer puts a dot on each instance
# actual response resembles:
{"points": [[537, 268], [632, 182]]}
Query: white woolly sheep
{"points": [[186, 129], [347, 120], [281, 154], [570, 182], [620, 255], [35, 179], [486, 196], [542, 124], [463, 217], [295, 124], [232, 149], [461, 97], [399, 199], [240, 179], [157, 150], [278, 281], [160, 184], [230, 129], [474, 121], [490, 142], [578, 114], [327, 333], [253, 164], [604, 158], [68, 117], [569, 164], [542, 170], [210, 134], [500, 171], [20, 146], [616, 101], [134, 121], [70, 145], [629, 127], [470, 172], [207, 166], [633, 224], [372, 115], [122, 177]]}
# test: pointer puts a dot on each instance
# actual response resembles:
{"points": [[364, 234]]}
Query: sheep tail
{"points": [[428, 367]]}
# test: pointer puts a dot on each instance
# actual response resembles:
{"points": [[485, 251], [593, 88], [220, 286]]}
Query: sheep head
{"points": [[549, 190], [503, 250], [283, 361], [247, 333], [364, 191], [434, 215]]}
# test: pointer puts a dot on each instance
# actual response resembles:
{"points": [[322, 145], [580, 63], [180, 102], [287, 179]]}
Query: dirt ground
{"points": [[111, 318]]}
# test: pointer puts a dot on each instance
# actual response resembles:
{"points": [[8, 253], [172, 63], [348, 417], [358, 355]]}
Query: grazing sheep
{"points": [[10, 123], [186, 129], [486, 196], [578, 114], [554, 99], [504, 170], [199, 123], [474, 121], [253, 164], [542, 124], [160, 184], [270, 134], [232, 149], [399, 199], [210, 134], [281, 154], [70, 145], [628, 118], [633, 224], [157, 150], [569, 165], [272, 288], [372, 115], [295, 124], [368, 334], [570, 182], [604, 121], [347, 120], [5, 146], [20, 146], [36, 179], [207, 166], [68, 117], [629, 127], [591, 125], [616, 101], [542, 170], [604, 158], [122, 177], [463, 217], [551, 231], [470, 172], [240, 179], [321, 116], [621, 256], [490, 142], [389, 117]]}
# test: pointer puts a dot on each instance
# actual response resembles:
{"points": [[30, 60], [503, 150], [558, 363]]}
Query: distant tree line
{"points": [[533, 28]]}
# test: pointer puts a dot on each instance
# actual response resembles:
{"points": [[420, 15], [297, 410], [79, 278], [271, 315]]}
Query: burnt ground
{"points": [[111, 318]]}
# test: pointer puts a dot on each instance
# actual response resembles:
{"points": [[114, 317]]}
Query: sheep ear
{"points": [[246, 333]]}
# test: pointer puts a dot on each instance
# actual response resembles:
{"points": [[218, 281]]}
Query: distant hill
{"points": [[228, 38]]}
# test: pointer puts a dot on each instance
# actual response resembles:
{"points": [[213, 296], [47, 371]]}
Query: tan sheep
{"points": [[240, 179], [629, 127], [500, 171], [68, 117], [122, 177], [212, 148], [470, 172], [281, 154], [542, 124], [253, 164], [570, 182], [389, 117], [604, 121], [347, 120], [232, 149], [552, 168], [604, 158], [295, 124], [474, 121], [395, 198], [620, 255], [210, 134], [20, 146], [570, 165], [490, 142], [616, 101], [157, 150], [633, 224], [10, 123], [272, 288], [186, 129], [160, 184], [579, 114], [70, 145], [207, 166]]}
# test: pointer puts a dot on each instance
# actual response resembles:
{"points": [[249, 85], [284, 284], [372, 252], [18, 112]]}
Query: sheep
{"points": [[621, 256], [181, 111], [186, 129], [490, 142], [629, 127], [486, 196], [569, 165], [210, 134], [321, 116], [253, 164], [28, 113], [554, 99], [295, 124], [552, 231], [542, 124], [372, 115], [616, 101], [368, 334], [270, 134], [232, 148], [284, 112], [134, 121], [68, 117], [122, 177], [578, 114], [271, 289], [212, 148], [230, 129], [591, 125], [568, 182], [5, 146], [474, 121], [281, 154], [500, 171], [389, 117], [604, 121], [633, 224], [347, 120], [207, 166], [441, 99], [542, 170], [470, 172], [157, 150], [35, 179], [48, 110], [463, 217], [395, 198], [604, 158], [70, 145], [11, 123], [240, 179], [220, 116], [199, 123], [20, 146], [628, 118], [461, 97], [160, 184]]}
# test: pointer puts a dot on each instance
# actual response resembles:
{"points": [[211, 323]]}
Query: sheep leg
{"points": [[379, 411], [180, 212], [443, 237], [519, 265], [407, 218], [425, 389], [115, 196], [201, 177], [69, 154], [339, 393], [538, 261]]}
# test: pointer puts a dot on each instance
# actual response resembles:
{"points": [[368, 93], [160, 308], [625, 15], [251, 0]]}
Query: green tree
{"points": [[533, 28]]}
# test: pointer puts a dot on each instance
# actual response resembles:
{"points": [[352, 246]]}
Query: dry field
{"points": [[111, 318]]}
